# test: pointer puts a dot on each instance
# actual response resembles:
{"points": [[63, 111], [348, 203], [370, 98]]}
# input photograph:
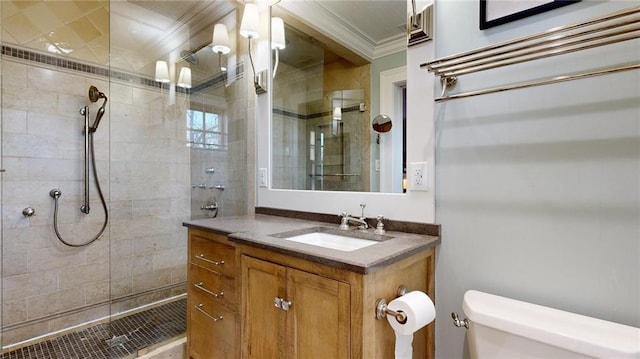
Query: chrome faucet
{"points": [[346, 218]]}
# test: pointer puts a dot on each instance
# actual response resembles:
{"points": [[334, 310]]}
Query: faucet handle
{"points": [[380, 226], [344, 223], [362, 205]]}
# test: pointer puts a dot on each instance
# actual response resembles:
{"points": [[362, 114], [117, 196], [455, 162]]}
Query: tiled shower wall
{"points": [[293, 90], [230, 164], [301, 102], [143, 166]]}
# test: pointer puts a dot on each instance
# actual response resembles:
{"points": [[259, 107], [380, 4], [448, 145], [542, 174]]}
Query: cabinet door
{"points": [[318, 321], [262, 321]]}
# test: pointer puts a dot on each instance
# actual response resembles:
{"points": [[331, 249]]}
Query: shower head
{"points": [[189, 56], [95, 94]]}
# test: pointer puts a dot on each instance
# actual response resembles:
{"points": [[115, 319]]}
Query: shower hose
{"points": [[56, 193]]}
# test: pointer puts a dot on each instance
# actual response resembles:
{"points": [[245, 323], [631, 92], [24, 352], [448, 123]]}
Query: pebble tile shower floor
{"points": [[122, 338]]}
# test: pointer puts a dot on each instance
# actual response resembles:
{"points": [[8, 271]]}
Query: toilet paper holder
{"points": [[382, 310]]}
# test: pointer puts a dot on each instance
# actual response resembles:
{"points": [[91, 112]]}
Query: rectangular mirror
{"points": [[339, 66]]}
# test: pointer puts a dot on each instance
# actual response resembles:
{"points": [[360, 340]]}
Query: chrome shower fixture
{"points": [[89, 162]]}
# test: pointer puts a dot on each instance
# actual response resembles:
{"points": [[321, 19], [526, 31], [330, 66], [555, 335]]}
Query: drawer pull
{"points": [[202, 288], [199, 308], [215, 263]]}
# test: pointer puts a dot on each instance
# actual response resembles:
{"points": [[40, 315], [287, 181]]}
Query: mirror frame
{"points": [[412, 206]]}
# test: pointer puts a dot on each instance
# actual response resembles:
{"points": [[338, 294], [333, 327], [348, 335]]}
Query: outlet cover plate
{"points": [[418, 179], [262, 177]]}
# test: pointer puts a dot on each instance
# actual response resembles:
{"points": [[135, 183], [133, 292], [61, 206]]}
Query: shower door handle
{"points": [[2, 170]]}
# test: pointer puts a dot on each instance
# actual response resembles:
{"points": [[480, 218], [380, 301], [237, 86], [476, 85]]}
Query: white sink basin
{"points": [[333, 239]]}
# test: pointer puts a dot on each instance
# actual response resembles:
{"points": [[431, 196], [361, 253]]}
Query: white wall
{"points": [[538, 190]]}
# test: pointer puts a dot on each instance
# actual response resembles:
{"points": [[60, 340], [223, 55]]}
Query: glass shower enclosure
{"points": [[168, 148]]}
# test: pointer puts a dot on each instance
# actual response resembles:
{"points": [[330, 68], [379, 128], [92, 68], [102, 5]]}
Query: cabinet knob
{"points": [[282, 303], [285, 305]]}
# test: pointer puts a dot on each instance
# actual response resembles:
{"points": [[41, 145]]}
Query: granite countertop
{"points": [[259, 230]]}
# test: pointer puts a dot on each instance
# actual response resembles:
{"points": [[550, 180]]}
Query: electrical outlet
{"points": [[262, 177], [418, 176]]}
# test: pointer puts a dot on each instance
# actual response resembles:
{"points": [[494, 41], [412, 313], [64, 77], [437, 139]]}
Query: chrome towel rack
{"points": [[605, 30]]}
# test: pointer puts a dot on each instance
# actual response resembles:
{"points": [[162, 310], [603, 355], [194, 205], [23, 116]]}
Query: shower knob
{"points": [[55, 193], [28, 212]]}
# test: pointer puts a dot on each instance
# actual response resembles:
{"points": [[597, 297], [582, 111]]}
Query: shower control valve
{"points": [[55, 193], [28, 212]]}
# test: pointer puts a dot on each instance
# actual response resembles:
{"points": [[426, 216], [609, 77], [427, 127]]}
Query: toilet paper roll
{"points": [[420, 311]]}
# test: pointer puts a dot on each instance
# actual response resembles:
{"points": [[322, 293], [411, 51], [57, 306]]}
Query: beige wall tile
{"points": [[22, 4], [14, 264], [97, 292], [66, 11], [27, 285], [14, 311], [79, 275], [100, 19], [42, 17], [20, 28], [8, 9]]}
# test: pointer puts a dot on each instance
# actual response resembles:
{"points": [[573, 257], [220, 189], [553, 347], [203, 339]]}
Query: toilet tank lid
{"points": [[574, 332]]}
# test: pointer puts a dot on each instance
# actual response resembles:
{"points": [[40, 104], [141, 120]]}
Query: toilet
{"points": [[500, 327]]}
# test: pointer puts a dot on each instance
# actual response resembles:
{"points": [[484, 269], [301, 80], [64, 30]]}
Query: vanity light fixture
{"points": [[220, 43], [277, 40], [249, 29], [184, 80], [162, 72]]}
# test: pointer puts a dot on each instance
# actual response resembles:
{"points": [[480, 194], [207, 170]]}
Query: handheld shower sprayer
{"points": [[94, 96], [89, 162]]}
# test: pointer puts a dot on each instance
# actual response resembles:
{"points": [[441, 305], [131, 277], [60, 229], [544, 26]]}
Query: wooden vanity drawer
{"points": [[220, 288], [213, 329], [213, 255]]}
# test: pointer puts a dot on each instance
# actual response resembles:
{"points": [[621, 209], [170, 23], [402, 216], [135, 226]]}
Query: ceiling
{"points": [[369, 28], [132, 34]]}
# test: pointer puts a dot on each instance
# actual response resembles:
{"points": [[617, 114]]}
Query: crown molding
{"points": [[331, 25]]}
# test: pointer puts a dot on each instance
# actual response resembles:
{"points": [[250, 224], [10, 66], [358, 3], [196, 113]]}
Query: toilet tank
{"points": [[500, 327]]}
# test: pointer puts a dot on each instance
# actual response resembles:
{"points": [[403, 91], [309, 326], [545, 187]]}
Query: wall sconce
{"points": [[337, 117], [249, 29], [220, 43], [419, 25], [162, 72], [277, 40], [337, 114], [184, 80]]}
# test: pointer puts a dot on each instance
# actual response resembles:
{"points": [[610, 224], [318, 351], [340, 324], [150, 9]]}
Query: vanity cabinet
{"points": [[289, 313], [212, 301], [293, 308], [254, 300]]}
